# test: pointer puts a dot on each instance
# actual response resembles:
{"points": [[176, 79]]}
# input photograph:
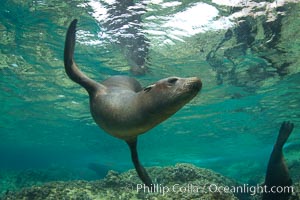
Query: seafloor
{"points": [[183, 181]]}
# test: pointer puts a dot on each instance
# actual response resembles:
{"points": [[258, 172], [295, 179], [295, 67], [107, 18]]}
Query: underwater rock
{"points": [[100, 170], [183, 181], [13, 180]]}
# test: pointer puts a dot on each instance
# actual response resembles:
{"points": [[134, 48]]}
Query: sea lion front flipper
{"points": [[284, 133], [277, 172], [138, 167], [70, 66]]}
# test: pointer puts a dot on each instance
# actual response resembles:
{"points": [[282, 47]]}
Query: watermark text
{"points": [[213, 188]]}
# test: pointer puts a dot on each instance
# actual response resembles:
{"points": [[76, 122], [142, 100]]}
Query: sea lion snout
{"points": [[193, 83]]}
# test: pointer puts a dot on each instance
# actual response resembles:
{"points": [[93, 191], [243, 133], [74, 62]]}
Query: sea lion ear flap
{"points": [[148, 88]]}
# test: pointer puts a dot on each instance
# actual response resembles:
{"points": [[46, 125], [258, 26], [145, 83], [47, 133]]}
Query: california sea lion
{"points": [[277, 171], [123, 108]]}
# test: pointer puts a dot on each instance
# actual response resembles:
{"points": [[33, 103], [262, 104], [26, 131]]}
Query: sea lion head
{"points": [[167, 96]]}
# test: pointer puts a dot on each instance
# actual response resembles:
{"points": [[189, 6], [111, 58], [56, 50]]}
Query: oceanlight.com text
{"points": [[213, 188]]}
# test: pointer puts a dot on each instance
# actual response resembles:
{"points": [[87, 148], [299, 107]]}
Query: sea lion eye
{"points": [[172, 80], [147, 89]]}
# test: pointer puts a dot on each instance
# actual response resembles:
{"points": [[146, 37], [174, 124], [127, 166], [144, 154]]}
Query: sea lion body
{"points": [[125, 110]]}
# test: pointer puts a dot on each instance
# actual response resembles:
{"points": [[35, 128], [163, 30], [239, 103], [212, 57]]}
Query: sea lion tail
{"points": [[70, 66]]}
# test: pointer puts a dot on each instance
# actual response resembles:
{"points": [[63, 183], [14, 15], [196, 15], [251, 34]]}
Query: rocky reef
{"points": [[14, 180], [183, 181]]}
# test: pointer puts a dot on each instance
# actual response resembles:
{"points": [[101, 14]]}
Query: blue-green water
{"points": [[229, 127]]}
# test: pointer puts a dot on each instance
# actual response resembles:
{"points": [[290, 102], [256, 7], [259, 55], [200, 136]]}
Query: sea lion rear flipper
{"points": [[70, 66], [139, 168]]}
